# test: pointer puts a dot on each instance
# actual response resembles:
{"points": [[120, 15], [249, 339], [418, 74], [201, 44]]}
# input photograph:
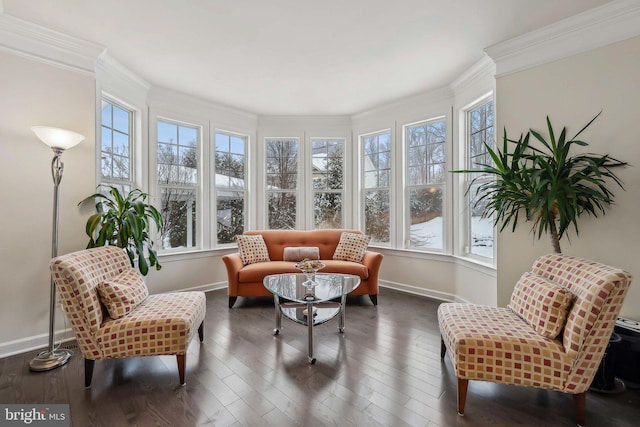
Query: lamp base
{"points": [[48, 360]]}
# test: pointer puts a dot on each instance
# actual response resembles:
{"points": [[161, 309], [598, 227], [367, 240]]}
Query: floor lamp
{"points": [[59, 140]]}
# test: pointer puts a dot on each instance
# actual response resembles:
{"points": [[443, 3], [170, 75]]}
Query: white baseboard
{"points": [[415, 290]]}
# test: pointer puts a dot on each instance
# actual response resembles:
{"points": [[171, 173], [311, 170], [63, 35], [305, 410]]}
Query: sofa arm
{"points": [[233, 262], [373, 260]]}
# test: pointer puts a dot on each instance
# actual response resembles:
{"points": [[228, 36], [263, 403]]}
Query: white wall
{"points": [[36, 93], [571, 91]]}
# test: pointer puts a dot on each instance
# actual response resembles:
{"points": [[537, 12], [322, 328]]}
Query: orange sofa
{"points": [[246, 280]]}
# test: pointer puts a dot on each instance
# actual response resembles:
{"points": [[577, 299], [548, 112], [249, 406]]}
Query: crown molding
{"points": [[108, 68], [484, 68], [43, 44], [612, 22]]}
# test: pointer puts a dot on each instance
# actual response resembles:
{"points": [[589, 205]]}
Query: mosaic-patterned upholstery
{"points": [[161, 324], [495, 344], [351, 247], [252, 249], [123, 293], [541, 303]]}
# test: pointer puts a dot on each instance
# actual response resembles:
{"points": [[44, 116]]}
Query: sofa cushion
{"points": [[252, 249], [541, 303], [122, 293], [256, 272], [351, 247], [298, 253]]}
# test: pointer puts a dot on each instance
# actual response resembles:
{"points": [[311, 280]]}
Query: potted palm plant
{"points": [[125, 222], [546, 185]]}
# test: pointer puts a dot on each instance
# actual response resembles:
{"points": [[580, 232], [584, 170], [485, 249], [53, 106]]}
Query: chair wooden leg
{"points": [[182, 363], [374, 299], [88, 371], [462, 395], [580, 401], [443, 348], [232, 300], [201, 332]]}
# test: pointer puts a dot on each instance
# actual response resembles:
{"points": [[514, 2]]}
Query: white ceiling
{"points": [[300, 57]]}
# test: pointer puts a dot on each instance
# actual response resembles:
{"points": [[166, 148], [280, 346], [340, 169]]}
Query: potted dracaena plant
{"points": [[125, 221], [545, 184]]}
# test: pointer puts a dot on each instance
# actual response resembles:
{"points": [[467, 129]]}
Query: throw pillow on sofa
{"points": [[122, 293], [351, 247], [298, 253], [542, 304], [252, 249]]}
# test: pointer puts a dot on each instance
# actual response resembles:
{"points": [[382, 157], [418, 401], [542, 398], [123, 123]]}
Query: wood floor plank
{"points": [[385, 370]]}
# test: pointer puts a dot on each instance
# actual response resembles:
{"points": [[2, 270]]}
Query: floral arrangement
{"points": [[309, 265]]}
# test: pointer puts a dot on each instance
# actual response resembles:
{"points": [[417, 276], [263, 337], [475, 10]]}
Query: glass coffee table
{"points": [[325, 297]]}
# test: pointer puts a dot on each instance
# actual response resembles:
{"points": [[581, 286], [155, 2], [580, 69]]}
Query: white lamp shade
{"points": [[57, 138]]}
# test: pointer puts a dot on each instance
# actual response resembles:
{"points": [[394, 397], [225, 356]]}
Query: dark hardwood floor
{"points": [[384, 371]]}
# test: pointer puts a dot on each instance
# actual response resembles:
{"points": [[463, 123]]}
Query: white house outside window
{"points": [[178, 183], [425, 181], [281, 165], [376, 161], [230, 187]]}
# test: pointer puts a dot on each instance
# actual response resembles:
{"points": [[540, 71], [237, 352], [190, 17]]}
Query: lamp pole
{"points": [[58, 140]]}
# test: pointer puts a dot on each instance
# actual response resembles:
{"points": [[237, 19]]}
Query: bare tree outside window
{"points": [[376, 149], [426, 156], [116, 146], [282, 182], [177, 162], [480, 131]]}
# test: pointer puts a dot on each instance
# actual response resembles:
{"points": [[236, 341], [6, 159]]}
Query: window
{"points": [[480, 133], [282, 182], [327, 165], [178, 183], [116, 143], [230, 178], [425, 178], [376, 149]]}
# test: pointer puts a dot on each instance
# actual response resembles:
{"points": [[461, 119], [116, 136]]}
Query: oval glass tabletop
{"points": [[326, 286]]}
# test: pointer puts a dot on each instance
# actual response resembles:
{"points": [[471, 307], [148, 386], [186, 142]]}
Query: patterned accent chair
{"points": [[161, 324], [542, 339]]}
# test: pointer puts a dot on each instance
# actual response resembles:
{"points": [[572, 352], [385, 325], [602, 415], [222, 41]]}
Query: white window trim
{"points": [[202, 189], [309, 199], [300, 180], [363, 190], [445, 187], [465, 180], [213, 207]]}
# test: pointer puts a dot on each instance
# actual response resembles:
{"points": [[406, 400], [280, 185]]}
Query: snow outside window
{"points": [[480, 133], [425, 182], [178, 182], [230, 188]]}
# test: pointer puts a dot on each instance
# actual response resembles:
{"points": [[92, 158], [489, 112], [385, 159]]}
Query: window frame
{"points": [[214, 187], [407, 186], [299, 179], [201, 224], [389, 188], [481, 179], [121, 184], [342, 191]]}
